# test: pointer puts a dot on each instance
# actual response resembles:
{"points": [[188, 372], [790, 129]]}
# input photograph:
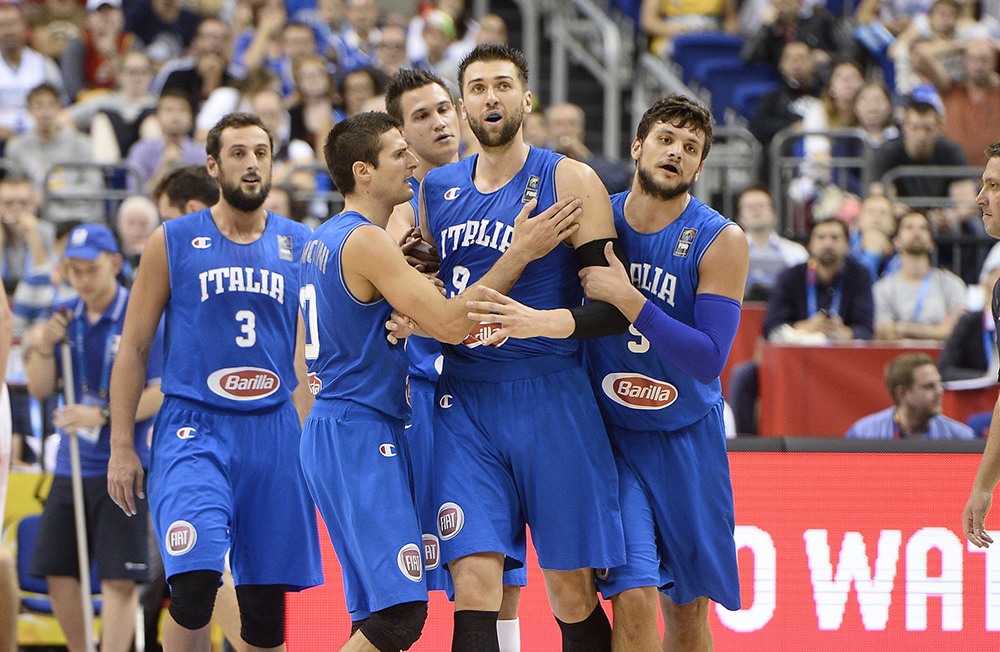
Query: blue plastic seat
{"points": [[980, 422], [689, 49], [35, 590]]}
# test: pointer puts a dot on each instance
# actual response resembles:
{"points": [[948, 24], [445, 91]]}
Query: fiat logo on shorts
{"points": [[181, 537], [451, 518], [432, 552], [411, 562]]}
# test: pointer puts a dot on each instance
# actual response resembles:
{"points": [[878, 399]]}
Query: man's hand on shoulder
{"points": [[536, 236]]}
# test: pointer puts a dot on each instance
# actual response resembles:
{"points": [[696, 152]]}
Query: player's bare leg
{"points": [[635, 612], [227, 613], [508, 625], [573, 597], [686, 625], [478, 583], [181, 639]]}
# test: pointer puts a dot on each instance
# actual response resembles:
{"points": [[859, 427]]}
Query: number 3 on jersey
{"points": [[249, 322], [307, 301]]}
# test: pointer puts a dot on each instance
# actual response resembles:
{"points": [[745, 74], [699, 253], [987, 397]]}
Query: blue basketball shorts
{"points": [[677, 506], [357, 468], [223, 480], [420, 442], [523, 443]]}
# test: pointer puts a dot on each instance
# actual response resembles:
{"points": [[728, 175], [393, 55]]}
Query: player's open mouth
{"points": [[670, 167], [494, 117], [443, 137], [250, 178]]}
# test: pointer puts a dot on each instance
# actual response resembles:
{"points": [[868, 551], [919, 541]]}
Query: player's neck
{"points": [[496, 166], [424, 166], [239, 226], [373, 210], [648, 214]]}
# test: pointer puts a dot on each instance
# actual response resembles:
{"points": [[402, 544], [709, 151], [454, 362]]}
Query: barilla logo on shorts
{"points": [[201, 242], [411, 562], [181, 537], [244, 383], [432, 552], [451, 518], [638, 391], [315, 383], [186, 432], [480, 333]]}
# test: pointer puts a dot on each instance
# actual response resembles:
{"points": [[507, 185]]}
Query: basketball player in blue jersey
{"points": [[224, 470], [430, 124], [353, 450], [658, 384], [518, 436]]}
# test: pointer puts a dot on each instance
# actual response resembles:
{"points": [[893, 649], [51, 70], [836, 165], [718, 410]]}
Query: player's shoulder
{"points": [[451, 173], [288, 226]]}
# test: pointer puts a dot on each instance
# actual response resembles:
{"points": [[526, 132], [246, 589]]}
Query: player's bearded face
{"points": [[246, 198], [662, 189], [500, 138]]}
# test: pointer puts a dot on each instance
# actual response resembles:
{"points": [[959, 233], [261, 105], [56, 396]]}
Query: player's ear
{"points": [[361, 171], [528, 106], [636, 149]]}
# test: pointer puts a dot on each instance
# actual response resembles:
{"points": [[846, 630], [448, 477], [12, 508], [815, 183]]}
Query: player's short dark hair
{"points": [[679, 111], [993, 151], [408, 80], [358, 138], [899, 371], [213, 143], [187, 183], [44, 87], [487, 52]]}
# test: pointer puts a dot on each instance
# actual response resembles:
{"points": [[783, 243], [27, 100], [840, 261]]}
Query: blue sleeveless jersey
{"points": [[232, 314], [424, 352], [636, 388], [472, 229], [348, 355]]}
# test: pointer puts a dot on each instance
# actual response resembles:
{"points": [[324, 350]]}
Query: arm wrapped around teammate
{"points": [[598, 318]]}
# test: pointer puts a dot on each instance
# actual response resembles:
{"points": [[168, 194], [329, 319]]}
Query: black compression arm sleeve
{"points": [[598, 318]]}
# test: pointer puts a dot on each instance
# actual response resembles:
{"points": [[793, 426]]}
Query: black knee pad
{"points": [[192, 597], [262, 614], [397, 627]]}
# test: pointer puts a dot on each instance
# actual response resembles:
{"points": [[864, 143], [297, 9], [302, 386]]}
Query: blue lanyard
{"points": [[921, 297], [80, 360], [811, 292]]}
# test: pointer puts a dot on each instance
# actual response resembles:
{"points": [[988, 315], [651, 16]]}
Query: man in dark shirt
{"points": [[830, 293], [921, 143]]}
